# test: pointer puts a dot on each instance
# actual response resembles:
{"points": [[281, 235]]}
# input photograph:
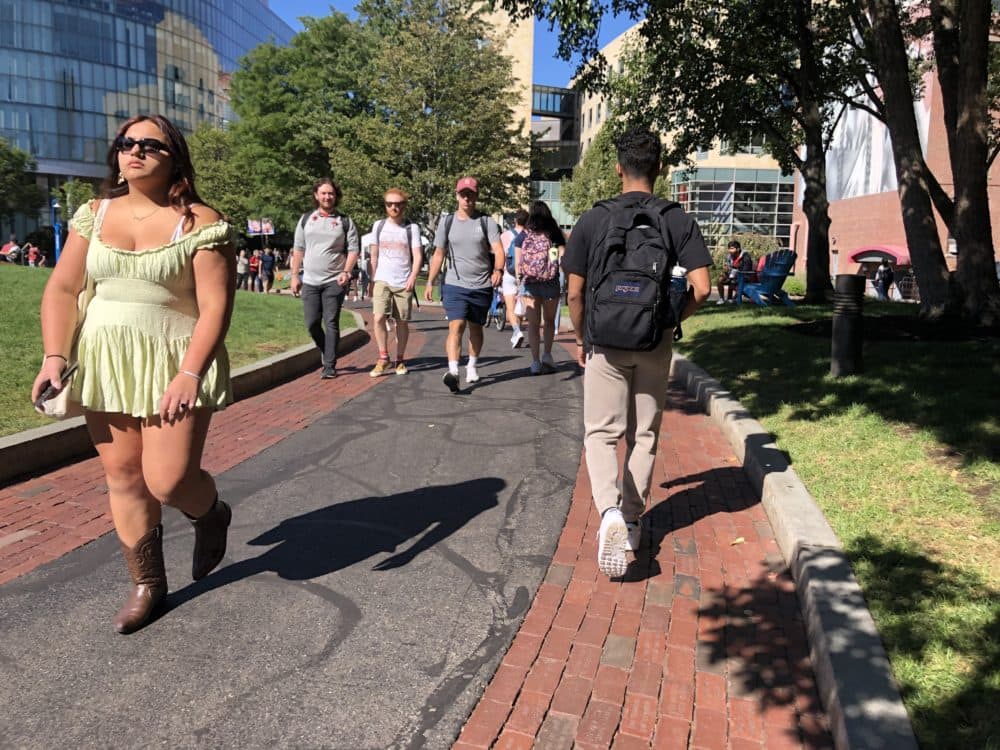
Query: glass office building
{"points": [[737, 201], [72, 70]]}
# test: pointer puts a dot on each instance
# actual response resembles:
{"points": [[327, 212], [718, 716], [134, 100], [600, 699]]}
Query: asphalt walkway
{"points": [[408, 567]]}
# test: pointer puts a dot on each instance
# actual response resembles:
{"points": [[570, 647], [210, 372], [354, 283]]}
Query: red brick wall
{"points": [[877, 219]]}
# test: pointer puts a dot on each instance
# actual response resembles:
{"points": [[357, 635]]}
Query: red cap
{"points": [[467, 183]]}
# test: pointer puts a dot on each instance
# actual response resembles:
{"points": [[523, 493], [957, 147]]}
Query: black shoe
{"points": [[450, 379], [329, 373]]}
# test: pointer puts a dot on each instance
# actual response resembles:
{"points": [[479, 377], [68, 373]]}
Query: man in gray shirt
{"points": [[471, 243], [326, 249]]}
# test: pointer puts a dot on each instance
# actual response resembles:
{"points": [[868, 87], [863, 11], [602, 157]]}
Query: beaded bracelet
{"points": [[190, 374]]}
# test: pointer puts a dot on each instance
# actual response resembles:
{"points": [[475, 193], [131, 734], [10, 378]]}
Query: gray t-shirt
{"points": [[326, 246], [470, 261]]}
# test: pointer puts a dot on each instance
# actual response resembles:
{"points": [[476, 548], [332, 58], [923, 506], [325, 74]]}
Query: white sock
{"points": [[517, 330], [473, 361], [453, 366]]}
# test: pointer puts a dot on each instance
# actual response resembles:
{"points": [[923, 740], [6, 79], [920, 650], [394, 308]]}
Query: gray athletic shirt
{"points": [[326, 246], [473, 261]]}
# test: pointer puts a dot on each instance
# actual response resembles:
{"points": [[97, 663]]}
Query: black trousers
{"points": [[321, 306]]}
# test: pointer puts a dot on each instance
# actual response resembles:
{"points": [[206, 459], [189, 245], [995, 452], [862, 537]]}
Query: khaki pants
{"points": [[623, 396]]}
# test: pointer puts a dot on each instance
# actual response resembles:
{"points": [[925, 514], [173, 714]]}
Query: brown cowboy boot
{"points": [[145, 566], [210, 538]]}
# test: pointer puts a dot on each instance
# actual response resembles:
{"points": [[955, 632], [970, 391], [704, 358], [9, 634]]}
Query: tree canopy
{"points": [[18, 192], [413, 95], [787, 70]]}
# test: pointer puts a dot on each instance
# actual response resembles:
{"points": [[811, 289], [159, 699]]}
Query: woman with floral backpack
{"points": [[537, 252]]}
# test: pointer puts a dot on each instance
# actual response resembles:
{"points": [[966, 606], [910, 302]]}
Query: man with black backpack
{"points": [[619, 261], [326, 247], [471, 242]]}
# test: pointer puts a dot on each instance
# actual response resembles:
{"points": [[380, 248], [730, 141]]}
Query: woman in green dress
{"points": [[152, 363]]}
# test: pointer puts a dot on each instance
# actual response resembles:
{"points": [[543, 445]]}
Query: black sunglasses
{"points": [[395, 204], [124, 145]]}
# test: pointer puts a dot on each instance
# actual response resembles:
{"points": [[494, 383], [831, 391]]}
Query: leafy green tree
{"points": [[290, 101], [72, 194], [437, 88], [743, 69], [18, 192], [594, 177], [218, 178]]}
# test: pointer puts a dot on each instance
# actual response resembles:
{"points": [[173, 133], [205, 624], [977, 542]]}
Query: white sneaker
{"points": [[471, 374], [634, 535], [535, 368], [721, 301], [548, 365], [612, 540], [516, 340]]}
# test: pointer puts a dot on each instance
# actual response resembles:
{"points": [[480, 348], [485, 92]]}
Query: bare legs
{"points": [[149, 463], [510, 302], [535, 308], [453, 346]]}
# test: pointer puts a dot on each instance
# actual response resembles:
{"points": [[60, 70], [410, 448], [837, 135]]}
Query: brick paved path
{"points": [[44, 517], [702, 645]]}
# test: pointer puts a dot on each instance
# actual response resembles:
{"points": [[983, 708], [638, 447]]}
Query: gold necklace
{"points": [[136, 217]]}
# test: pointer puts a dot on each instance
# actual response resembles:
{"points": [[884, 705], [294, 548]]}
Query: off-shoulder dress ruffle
{"points": [[139, 324]]}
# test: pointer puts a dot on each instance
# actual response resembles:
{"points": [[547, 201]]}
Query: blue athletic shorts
{"points": [[466, 304]]}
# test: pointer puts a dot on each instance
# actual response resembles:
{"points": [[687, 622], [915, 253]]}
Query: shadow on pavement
{"points": [[750, 635], [338, 536]]}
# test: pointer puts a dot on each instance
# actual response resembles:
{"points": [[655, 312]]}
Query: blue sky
{"points": [[549, 70]]}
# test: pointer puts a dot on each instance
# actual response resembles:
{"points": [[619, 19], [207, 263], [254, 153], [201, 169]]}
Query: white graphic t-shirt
{"points": [[396, 246]]}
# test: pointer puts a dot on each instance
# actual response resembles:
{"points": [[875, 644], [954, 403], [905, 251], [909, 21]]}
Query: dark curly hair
{"points": [[639, 152]]}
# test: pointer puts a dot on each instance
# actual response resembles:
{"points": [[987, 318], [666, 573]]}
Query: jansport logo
{"points": [[628, 289]]}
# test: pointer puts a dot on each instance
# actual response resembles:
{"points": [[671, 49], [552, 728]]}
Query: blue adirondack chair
{"points": [[767, 289]]}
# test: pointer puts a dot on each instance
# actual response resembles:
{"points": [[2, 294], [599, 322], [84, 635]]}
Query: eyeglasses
{"points": [[468, 195], [395, 204], [124, 145]]}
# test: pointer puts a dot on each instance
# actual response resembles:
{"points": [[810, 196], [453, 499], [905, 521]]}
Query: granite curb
{"points": [[42, 448], [852, 670]]}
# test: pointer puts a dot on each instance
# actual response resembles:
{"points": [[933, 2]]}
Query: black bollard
{"points": [[848, 334]]}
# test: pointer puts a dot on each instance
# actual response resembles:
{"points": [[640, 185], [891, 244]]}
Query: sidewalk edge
{"points": [[852, 670], [42, 448]]}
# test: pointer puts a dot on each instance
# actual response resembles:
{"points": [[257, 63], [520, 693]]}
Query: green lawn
{"points": [[903, 459], [262, 325]]}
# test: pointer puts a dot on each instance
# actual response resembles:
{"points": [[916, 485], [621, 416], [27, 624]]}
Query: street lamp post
{"points": [[56, 228]]}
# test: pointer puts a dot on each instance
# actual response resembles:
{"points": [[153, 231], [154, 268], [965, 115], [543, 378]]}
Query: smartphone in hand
{"points": [[50, 390]]}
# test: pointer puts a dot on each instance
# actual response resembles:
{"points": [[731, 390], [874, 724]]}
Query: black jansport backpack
{"points": [[629, 297]]}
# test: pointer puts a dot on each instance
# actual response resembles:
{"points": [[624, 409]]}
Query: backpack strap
{"points": [[449, 219], [621, 217], [485, 224], [304, 219], [379, 225]]}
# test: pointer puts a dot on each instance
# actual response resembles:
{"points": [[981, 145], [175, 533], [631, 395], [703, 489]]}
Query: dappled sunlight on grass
{"points": [[941, 626], [903, 459]]}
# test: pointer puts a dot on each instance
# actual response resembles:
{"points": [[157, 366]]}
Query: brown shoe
{"points": [[210, 539], [149, 578]]}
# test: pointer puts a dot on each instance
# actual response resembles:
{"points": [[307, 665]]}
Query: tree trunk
{"points": [[816, 208], [961, 46], [815, 204], [892, 66]]}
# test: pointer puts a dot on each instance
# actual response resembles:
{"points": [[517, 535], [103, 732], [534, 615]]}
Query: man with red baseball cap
{"points": [[471, 242]]}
